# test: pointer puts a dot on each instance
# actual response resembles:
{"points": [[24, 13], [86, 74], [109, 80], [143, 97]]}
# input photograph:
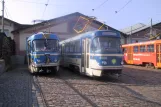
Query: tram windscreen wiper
{"points": [[46, 43]]}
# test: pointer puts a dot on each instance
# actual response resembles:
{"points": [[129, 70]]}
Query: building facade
{"points": [[63, 26], [141, 32]]}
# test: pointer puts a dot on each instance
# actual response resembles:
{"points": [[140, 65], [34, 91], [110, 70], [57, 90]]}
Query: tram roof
{"points": [[91, 34], [143, 43], [42, 35]]}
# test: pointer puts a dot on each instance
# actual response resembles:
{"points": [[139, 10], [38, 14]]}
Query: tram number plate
{"points": [[103, 57]]}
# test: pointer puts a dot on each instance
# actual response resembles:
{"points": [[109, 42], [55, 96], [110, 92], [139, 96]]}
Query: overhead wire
{"points": [[123, 6], [41, 3], [45, 9], [100, 5], [7, 12], [29, 2], [96, 9]]}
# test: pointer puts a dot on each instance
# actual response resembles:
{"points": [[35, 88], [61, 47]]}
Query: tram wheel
{"points": [[55, 70], [147, 65]]}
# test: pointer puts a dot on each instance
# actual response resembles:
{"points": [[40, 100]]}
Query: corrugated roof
{"points": [[136, 28]]}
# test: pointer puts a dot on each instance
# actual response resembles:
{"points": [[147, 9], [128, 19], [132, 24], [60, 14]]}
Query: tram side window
{"points": [[71, 47], [63, 48], [136, 49], [142, 49], [66, 48], [77, 46], [150, 48]]}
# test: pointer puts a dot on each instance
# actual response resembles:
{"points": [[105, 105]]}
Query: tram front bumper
{"points": [[46, 65], [99, 71]]}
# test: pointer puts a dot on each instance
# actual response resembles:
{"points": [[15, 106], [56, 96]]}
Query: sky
{"points": [[136, 11]]}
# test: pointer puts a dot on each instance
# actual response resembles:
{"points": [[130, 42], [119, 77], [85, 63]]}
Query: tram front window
{"points": [[45, 45], [106, 44]]}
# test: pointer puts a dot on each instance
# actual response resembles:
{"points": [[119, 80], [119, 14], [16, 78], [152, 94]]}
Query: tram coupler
{"points": [[48, 71], [40, 70]]}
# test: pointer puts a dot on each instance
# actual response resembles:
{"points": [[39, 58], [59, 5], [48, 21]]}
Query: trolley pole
{"points": [[2, 15]]}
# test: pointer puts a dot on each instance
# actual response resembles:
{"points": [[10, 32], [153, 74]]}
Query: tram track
{"points": [[134, 94], [38, 88], [115, 82], [137, 94], [142, 68], [77, 91], [37, 83]]}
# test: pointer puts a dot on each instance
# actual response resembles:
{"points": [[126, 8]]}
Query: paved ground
{"points": [[15, 88], [136, 88]]}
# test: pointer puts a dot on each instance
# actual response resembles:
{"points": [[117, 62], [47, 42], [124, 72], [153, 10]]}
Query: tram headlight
{"points": [[37, 61], [55, 60], [104, 63], [122, 62], [95, 63]]}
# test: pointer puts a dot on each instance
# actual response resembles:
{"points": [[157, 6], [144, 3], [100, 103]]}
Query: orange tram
{"points": [[144, 53]]}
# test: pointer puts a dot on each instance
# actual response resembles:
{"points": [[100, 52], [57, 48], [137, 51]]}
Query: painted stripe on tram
{"points": [[106, 54]]}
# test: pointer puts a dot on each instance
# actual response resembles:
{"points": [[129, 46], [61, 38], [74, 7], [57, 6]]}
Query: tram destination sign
{"points": [[109, 33]]}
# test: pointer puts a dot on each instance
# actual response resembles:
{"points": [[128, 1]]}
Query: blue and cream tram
{"points": [[94, 53], [43, 52]]}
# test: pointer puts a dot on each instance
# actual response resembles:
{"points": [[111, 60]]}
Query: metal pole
{"points": [[151, 29], [131, 36], [2, 15], [151, 23]]}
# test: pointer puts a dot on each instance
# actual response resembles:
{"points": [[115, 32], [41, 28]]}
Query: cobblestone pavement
{"points": [[146, 83], [136, 88], [15, 88]]}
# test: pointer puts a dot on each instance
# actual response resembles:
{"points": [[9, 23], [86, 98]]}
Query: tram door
{"points": [[62, 55], [85, 54], [130, 55], [158, 55]]}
